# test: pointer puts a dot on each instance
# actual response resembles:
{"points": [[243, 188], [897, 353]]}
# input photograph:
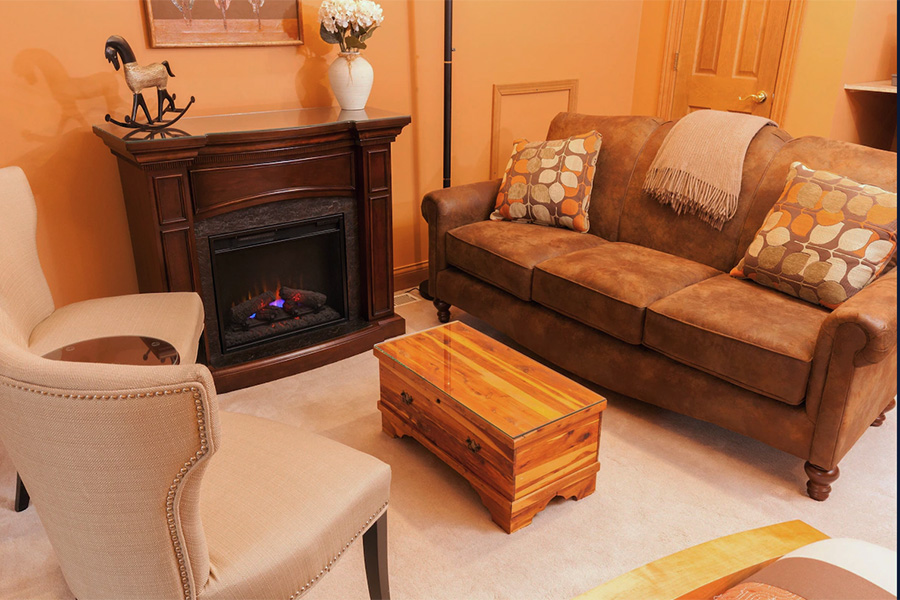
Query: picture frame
{"points": [[213, 23]]}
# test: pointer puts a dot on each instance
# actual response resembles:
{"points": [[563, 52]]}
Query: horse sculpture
{"points": [[139, 77]]}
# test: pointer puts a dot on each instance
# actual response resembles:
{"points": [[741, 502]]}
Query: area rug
{"points": [[666, 482]]}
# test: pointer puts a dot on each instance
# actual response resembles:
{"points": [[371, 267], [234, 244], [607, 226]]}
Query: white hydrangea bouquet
{"points": [[349, 23]]}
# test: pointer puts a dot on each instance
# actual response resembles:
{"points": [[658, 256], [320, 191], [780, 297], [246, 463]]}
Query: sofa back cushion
{"points": [[646, 222], [622, 141], [825, 239], [859, 163]]}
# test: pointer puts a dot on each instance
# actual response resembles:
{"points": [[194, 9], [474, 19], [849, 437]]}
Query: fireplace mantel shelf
{"points": [[195, 132], [182, 183]]}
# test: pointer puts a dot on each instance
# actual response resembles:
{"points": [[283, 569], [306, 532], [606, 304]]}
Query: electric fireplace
{"points": [[279, 277], [279, 281], [280, 221]]}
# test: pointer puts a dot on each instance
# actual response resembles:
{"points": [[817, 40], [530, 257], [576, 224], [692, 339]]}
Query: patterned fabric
{"points": [[757, 591], [549, 183], [825, 239]]}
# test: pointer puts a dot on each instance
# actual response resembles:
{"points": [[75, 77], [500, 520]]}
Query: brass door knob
{"points": [[759, 97]]}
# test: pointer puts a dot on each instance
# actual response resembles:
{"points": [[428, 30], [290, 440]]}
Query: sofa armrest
{"points": [[874, 311], [854, 369], [450, 208]]}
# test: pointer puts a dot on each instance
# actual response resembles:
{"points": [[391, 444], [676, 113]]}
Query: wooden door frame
{"points": [[785, 61]]}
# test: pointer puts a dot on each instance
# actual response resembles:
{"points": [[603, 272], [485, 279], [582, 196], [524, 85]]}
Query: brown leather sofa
{"points": [[643, 305]]}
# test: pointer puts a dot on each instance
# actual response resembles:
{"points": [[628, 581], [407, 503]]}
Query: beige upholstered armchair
{"points": [[147, 491], [119, 460], [175, 317], [35, 323]]}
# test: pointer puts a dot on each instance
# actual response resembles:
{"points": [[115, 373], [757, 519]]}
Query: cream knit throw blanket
{"points": [[698, 167]]}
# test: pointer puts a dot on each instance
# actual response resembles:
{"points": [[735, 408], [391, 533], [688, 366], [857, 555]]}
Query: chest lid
{"points": [[512, 393]]}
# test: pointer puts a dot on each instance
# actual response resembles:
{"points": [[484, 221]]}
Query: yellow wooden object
{"points": [[708, 569]]}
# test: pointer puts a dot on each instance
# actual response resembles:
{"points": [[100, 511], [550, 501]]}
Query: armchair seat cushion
{"points": [[175, 317], [504, 253], [752, 336], [609, 287], [280, 505]]}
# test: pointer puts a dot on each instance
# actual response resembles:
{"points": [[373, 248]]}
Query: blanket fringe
{"points": [[687, 194]]}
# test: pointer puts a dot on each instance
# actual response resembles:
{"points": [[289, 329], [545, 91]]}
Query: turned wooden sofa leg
{"points": [[443, 310], [879, 420], [376, 559], [819, 485]]}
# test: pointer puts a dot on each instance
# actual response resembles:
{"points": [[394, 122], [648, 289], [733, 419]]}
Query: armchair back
{"points": [[24, 293], [112, 457]]}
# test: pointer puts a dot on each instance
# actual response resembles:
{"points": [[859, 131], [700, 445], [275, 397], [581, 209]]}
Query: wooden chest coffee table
{"points": [[519, 432]]}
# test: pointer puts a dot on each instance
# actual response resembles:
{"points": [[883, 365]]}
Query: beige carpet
{"points": [[666, 482]]}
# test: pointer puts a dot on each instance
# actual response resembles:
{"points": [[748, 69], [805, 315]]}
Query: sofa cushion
{"points": [[610, 287], [504, 253], [825, 239], [859, 163], [753, 336], [646, 222], [623, 139], [550, 182]]}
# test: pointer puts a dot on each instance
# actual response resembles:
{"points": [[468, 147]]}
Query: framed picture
{"points": [[192, 23]]}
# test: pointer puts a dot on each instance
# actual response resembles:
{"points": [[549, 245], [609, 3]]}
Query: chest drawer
{"points": [[442, 421]]}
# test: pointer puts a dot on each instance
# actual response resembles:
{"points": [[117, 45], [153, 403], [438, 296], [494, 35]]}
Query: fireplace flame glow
{"points": [[278, 302]]}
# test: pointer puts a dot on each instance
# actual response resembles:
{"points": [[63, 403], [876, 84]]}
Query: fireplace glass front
{"points": [[279, 281]]}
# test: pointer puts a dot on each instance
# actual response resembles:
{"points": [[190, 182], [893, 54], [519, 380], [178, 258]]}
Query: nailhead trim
{"points": [[170, 497], [330, 564], [173, 489]]}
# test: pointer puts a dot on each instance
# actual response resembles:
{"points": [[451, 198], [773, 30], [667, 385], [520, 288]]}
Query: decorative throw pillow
{"points": [[825, 239], [749, 590], [549, 183]]}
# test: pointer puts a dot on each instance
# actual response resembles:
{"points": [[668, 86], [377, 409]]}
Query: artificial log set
{"points": [[269, 307], [272, 314]]}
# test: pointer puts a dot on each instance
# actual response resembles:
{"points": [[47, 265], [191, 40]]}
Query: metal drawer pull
{"points": [[473, 445], [407, 399]]}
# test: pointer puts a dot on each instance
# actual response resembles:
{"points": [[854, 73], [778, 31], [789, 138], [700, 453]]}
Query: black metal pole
{"points": [[448, 84], [448, 97]]}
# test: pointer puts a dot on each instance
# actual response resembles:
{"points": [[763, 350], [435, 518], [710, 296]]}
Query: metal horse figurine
{"points": [[138, 77]]}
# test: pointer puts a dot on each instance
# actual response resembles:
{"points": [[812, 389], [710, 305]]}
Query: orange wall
{"points": [[863, 117], [818, 64], [650, 57], [841, 41], [55, 83]]}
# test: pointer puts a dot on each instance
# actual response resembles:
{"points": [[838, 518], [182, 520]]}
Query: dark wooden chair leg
{"points": [[443, 310], [22, 497], [819, 485], [879, 420], [375, 553]]}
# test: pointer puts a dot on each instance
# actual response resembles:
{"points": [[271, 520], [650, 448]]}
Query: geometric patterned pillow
{"points": [[825, 239], [549, 183]]}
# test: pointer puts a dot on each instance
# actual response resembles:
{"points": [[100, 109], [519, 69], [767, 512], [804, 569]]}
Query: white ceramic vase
{"points": [[351, 78]]}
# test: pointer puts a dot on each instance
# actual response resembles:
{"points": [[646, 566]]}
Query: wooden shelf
{"points": [[882, 87]]}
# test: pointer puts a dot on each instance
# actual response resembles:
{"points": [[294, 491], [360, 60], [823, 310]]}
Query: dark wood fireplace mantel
{"points": [[217, 165]]}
